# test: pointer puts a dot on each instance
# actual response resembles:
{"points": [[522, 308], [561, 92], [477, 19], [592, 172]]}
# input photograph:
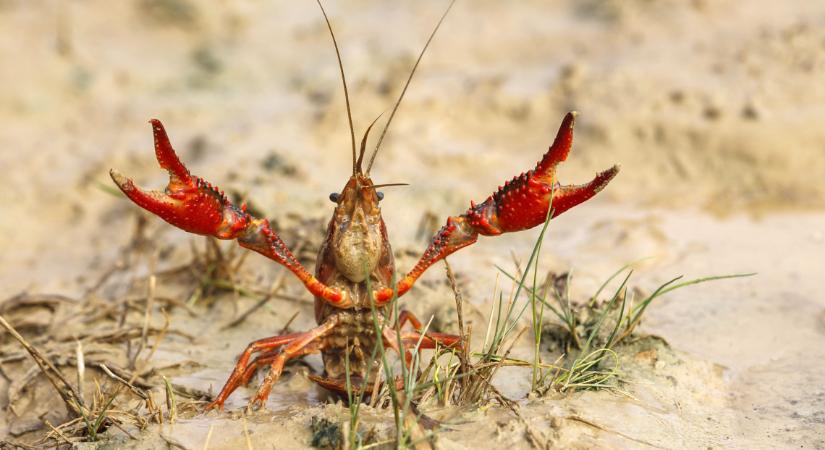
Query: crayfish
{"points": [[355, 267]]}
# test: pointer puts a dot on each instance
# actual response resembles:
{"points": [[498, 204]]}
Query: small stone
{"points": [[677, 96], [750, 111], [659, 365], [712, 112]]}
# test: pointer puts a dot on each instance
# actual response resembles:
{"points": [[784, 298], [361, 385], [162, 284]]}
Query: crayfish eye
{"points": [[380, 195], [334, 197]]}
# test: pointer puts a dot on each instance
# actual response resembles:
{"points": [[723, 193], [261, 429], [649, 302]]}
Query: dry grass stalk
{"points": [[81, 369], [150, 298], [464, 353], [208, 437], [66, 391], [171, 401], [246, 434]]}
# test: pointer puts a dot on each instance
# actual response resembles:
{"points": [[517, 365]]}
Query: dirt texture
{"points": [[714, 109]]}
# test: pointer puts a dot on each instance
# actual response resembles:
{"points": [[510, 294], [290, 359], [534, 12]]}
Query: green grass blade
{"points": [[706, 279], [603, 315], [615, 274]]}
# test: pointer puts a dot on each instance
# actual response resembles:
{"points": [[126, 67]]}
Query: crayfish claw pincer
{"points": [[525, 201], [522, 203], [188, 202], [195, 205]]}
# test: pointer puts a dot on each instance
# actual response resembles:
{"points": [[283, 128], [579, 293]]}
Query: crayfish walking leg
{"points": [[410, 339], [296, 344]]}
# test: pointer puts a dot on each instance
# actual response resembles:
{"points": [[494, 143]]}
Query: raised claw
{"points": [[188, 202], [523, 202], [195, 205]]}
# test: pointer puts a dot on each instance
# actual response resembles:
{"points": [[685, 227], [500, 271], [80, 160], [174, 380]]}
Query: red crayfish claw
{"points": [[520, 204], [188, 202]]}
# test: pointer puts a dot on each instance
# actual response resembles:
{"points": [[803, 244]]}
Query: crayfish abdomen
{"points": [[354, 337]]}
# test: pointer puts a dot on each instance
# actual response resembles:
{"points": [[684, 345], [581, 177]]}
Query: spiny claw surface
{"points": [[188, 202], [195, 205], [523, 202]]}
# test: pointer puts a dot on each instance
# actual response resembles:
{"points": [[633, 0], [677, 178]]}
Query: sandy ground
{"points": [[713, 108]]}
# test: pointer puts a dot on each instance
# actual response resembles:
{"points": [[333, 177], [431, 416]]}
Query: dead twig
{"points": [[57, 432], [55, 377], [464, 354], [246, 434], [81, 369], [607, 430], [159, 337], [125, 334], [104, 277], [140, 393], [285, 328], [191, 392], [172, 443], [208, 437], [15, 445], [120, 427], [150, 297], [25, 299]]}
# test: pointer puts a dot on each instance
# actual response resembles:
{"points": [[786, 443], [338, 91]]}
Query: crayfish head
{"points": [[357, 233]]}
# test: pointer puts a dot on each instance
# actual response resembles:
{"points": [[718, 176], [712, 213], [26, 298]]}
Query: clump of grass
{"points": [[459, 382], [587, 334], [503, 320], [96, 417]]}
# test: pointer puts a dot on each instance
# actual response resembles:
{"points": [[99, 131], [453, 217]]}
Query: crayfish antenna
{"points": [[344, 81], [364, 145], [406, 85]]}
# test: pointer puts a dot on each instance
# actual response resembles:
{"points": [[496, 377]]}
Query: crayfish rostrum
{"points": [[355, 254]]}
